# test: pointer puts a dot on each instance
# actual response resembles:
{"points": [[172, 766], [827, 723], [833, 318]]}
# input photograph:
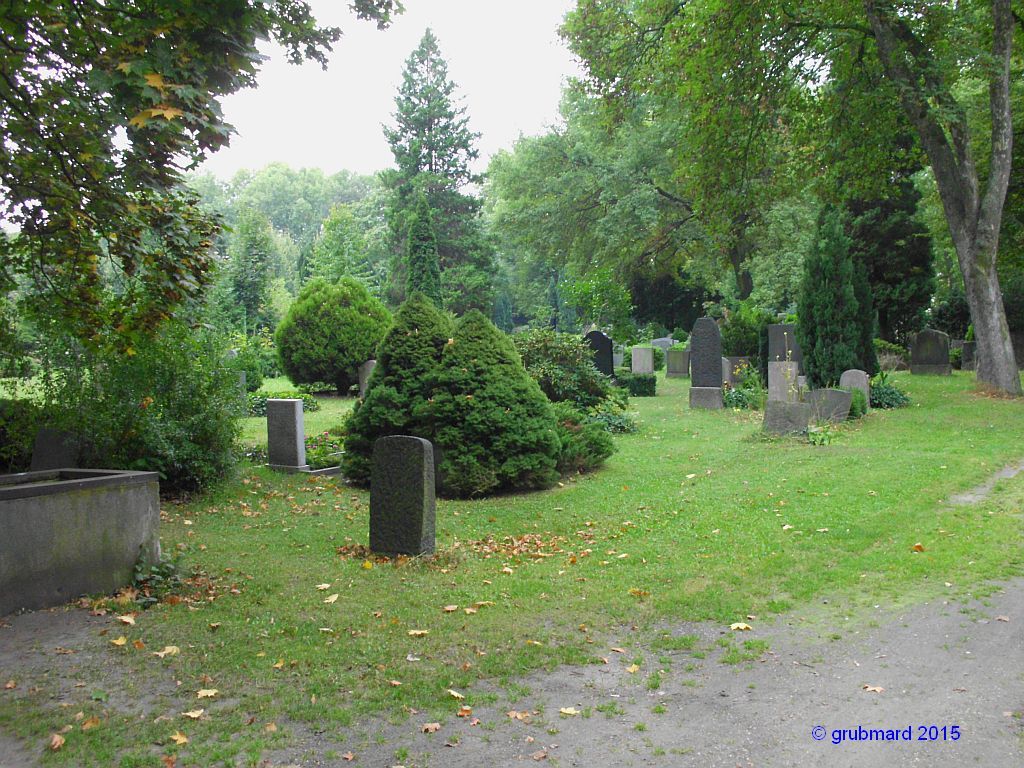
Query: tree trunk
{"points": [[974, 219]]}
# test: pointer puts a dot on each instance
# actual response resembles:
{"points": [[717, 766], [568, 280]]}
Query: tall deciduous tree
{"points": [[250, 254], [433, 149], [102, 102]]}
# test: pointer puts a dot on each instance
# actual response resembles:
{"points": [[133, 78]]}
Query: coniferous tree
{"points": [[433, 148], [827, 330], [250, 254], [865, 318], [423, 274]]}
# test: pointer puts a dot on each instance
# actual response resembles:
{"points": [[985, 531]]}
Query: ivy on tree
{"points": [[102, 103]]}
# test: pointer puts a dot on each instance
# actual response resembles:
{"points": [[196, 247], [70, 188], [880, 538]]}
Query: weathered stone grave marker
{"points": [[706, 364], [286, 436], [782, 382], [365, 370], [930, 353], [402, 501], [677, 363], [857, 379], [830, 404], [786, 418], [783, 346], [643, 360]]}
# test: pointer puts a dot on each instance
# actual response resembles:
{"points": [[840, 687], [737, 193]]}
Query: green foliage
{"points": [[956, 356], [865, 348], [827, 329], [584, 444], [612, 415], [248, 269], [402, 385], [883, 347], [749, 392], [600, 299], [340, 250], [257, 401], [323, 450], [821, 434], [19, 421], [951, 314], [170, 407], [742, 329], [492, 423], [246, 356], [858, 404], [154, 582], [79, 78], [330, 330], [885, 394], [423, 273], [563, 365], [637, 384]]}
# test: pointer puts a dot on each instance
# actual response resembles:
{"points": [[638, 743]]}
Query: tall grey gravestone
{"points": [[857, 379], [286, 436], [782, 382], [967, 355], [602, 348], [783, 346], [930, 353], [706, 364], [677, 363], [402, 502], [365, 370], [643, 360]]}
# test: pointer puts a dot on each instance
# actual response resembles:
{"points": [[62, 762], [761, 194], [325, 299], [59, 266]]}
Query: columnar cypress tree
{"points": [[423, 272], [865, 317], [828, 330]]}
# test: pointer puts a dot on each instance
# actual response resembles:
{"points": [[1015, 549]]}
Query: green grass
{"points": [[333, 411], [713, 546]]}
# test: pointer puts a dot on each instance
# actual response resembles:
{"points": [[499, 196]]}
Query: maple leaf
{"points": [[155, 81], [522, 716], [179, 738], [139, 121]]}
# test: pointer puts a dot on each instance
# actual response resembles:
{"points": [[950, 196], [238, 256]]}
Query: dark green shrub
{"points": [[258, 401], [170, 407], [245, 357], [491, 421], [584, 443], [637, 384], [562, 364], [317, 388], [398, 399], [423, 266], [741, 331], [330, 330], [858, 404], [865, 349], [323, 450], [956, 356], [737, 398], [885, 394], [19, 421], [612, 414]]}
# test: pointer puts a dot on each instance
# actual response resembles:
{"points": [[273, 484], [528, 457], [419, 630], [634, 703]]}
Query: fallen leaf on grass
{"points": [[919, 547], [10, 685], [469, 611], [633, 669], [56, 741], [618, 650], [323, 587], [534, 642], [193, 714], [169, 761], [270, 727], [568, 711], [138, 645], [539, 755], [92, 722], [367, 565], [179, 738], [127, 619], [206, 693], [279, 664], [120, 642], [523, 716], [348, 757], [331, 598], [394, 683], [873, 688], [464, 711], [455, 694], [430, 727], [450, 608], [418, 632], [1002, 618], [169, 650], [739, 626]]}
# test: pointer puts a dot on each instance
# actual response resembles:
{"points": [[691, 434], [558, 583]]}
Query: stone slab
{"points": [[618, 357], [782, 382], [402, 500], [930, 353], [829, 404], [857, 379], [706, 398], [786, 418], [601, 345], [706, 354], [677, 363], [642, 360], [286, 435]]}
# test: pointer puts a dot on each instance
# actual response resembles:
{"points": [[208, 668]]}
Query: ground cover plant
{"points": [[697, 517]]}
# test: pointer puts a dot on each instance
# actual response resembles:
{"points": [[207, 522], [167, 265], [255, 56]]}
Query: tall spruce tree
{"points": [[866, 354], [827, 329], [423, 274], [433, 148]]}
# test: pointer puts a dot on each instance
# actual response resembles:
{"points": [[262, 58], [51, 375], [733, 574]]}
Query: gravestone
{"points": [[783, 346], [286, 436], [55, 449], [706, 364], [967, 355], [665, 343], [602, 347], [727, 377], [618, 357], [402, 502], [830, 404], [643, 360], [801, 383], [782, 382], [364, 376], [677, 363], [930, 353], [786, 418], [855, 379]]}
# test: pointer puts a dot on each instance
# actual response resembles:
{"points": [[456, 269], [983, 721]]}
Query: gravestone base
{"points": [[706, 398], [785, 418], [931, 370], [287, 468]]}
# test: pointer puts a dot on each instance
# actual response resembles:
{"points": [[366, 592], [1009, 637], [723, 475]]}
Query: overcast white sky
{"points": [[505, 56]]}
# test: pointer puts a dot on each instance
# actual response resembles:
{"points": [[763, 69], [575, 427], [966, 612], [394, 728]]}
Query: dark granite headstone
{"points": [[706, 354], [967, 355], [786, 418], [930, 353], [55, 449], [830, 404], [783, 346], [402, 503], [602, 346], [677, 363]]}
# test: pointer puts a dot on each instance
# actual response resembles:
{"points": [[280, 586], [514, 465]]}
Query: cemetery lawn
{"points": [[696, 518]]}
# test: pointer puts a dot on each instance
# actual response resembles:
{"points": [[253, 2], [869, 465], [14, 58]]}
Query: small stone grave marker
{"points": [[643, 360], [286, 435], [402, 502], [930, 353]]}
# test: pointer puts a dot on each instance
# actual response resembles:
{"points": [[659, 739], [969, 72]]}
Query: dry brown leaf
{"points": [[430, 727], [464, 711], [455, 694], [539, 755], [92, 722], [279, 664], [270, 727], [568, 711], [206, 693], [739, 626], [1002, 618], [522, 716], [138, 645], [120, 642], [169, 650], [394, 683], [618, 650], [873, 688], [193, 714], [348, 757], [632, 669], [56, 741], [450, 608], [323, 587], [419, 632], [10, 685], [179, 738], [919, 547], [127, 619]]}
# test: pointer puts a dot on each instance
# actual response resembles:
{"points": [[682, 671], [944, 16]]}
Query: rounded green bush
{"points": [[330, 330], [563, 365], [584, 442]]}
